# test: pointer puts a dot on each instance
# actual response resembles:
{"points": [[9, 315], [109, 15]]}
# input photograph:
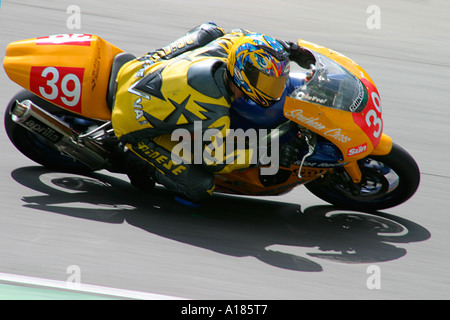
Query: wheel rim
{"points": [[378, 181]]}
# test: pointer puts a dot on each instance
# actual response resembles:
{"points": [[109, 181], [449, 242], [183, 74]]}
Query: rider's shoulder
{"points": [[206, 76]]}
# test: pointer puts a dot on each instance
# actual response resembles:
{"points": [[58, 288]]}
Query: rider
{"points": [[196, 79]]}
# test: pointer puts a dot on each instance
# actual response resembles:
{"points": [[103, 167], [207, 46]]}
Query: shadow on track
{"points": [[235, 226]]}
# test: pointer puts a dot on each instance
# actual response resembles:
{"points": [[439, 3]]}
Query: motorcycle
{"points": [[62, 120]]}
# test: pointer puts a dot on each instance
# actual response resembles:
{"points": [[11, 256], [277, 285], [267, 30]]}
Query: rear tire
{"points": [[387, 181], [35, 147]]}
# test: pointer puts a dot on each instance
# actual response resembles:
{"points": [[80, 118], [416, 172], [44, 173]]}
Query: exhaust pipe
{"points": [[59, 134]]}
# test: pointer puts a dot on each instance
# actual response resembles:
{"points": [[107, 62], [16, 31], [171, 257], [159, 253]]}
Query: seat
{"points": [[118, 62]]}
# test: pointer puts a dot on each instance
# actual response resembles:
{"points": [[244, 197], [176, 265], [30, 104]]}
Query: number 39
{"points": [[372, 117], [71, 96]]}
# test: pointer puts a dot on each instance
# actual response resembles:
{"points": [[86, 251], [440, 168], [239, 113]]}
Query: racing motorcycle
{"points": [[62, 120]]}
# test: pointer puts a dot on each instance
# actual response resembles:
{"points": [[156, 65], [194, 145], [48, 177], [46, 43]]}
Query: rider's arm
{"points": [[195, 38]]}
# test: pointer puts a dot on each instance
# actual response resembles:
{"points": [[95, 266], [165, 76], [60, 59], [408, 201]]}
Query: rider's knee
{"points": [[195, 183]]}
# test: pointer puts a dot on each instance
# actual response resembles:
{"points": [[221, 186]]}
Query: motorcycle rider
{"points": [[196, 78]]}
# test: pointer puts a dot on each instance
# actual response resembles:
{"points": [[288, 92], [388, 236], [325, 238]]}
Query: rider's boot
{"points": [[139, 171]]}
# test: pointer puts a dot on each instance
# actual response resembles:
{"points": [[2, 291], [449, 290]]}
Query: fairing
{"points": [[339, 102], [69, 70]]}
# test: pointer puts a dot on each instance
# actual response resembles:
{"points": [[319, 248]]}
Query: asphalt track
{"points": [[290, 247]]}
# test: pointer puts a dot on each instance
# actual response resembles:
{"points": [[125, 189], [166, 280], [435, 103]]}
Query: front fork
{"points": [[383, 148]]}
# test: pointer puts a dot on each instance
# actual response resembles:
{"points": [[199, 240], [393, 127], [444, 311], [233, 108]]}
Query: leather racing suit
{"points": [[170, 89]]}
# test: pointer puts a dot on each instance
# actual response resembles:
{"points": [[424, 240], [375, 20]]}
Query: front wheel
{"points": [[387, 181]]}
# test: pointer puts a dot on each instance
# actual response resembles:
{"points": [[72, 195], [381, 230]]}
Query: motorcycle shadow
{"points": [[274, 232]]}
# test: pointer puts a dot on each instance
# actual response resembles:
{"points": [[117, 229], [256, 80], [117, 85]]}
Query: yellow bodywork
{"points": [[69, 70]]}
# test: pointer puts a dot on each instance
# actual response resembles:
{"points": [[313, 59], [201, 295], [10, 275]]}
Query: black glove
{"points": [[303, 57], [288, 155]]}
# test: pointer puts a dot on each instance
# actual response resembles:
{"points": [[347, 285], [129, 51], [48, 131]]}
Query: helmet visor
{"points": [[270, 86]]}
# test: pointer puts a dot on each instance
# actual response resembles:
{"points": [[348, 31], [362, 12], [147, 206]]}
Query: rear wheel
{"points": [[387, 181], [37, 148]]}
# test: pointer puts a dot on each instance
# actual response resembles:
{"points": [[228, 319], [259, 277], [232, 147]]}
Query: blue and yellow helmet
{"points": [[259, 66]]}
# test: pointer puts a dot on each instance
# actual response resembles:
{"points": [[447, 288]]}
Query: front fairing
{"points": [[348, 129], [339, 102]]}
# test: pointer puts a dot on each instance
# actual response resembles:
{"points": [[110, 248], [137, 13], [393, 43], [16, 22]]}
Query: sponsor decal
{"points": [[315, 124], [43, 130], [310, 121], [337, 135], [357, 150], [65, 39]]}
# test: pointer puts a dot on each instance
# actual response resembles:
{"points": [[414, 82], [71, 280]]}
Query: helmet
{"points": [[259, 66]]}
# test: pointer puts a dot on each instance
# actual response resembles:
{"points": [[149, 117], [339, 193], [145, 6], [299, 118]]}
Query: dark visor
{"points": [[271, 86]]}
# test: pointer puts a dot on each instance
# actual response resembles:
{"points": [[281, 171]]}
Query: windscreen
{"points": [[330, 85]]}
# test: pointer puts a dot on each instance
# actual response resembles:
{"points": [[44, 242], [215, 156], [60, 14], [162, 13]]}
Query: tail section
{"points": [[69, 70]]}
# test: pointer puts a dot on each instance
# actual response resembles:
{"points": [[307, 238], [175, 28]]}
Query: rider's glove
{"points": [[303, 57], [290, 152], [288, 155]]}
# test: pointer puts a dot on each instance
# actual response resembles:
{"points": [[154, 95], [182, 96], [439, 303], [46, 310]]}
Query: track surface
{"points": [[290, 247]]}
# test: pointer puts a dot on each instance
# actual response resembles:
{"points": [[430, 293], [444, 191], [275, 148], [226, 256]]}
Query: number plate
{"points": [[370, 120], [60, 85]]}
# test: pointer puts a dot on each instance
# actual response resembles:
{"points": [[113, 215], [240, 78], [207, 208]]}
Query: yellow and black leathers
{"points": [[155, 97]]}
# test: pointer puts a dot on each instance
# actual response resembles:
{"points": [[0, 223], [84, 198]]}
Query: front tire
{"points": [[387, 181]]}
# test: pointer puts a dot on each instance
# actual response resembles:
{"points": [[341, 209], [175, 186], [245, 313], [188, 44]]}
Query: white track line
{"points": [[84, 288]]}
